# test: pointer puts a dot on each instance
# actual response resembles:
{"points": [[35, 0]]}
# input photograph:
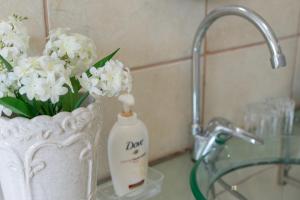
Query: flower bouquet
{"points": [[48, 141]]}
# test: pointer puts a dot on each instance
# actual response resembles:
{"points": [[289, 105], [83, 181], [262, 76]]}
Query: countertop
{"points": [[176, 183]]}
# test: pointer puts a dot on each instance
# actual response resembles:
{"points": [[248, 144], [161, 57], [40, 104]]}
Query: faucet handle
{"points": [[220, 130], [221, 125], [245, 135]]}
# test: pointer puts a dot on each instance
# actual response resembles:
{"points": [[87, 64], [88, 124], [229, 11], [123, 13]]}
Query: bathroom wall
{"points": [[238, 70], [36, 24], [155, 37]]}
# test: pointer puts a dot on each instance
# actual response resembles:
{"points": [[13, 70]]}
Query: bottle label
{"points": [[132, 145], [135, 185], [136, 163]]}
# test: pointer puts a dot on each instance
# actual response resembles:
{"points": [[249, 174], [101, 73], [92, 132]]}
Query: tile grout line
{"points": [[154, 65], [251, 44], [160, 63], [46, 17]]}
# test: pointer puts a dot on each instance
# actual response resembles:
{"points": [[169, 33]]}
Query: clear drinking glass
{"points": [[286, 109], [262, 119], [273, 116]]}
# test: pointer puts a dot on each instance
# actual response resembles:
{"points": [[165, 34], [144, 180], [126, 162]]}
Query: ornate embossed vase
{"points": [[50, 158]]}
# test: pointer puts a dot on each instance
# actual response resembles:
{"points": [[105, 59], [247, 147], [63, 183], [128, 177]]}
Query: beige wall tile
{"points": [[147, 31], [233, 31], [163, 102], [33, 9], [296, 81], [243, 76]]}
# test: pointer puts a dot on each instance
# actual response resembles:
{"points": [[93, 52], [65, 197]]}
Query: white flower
{"points": [[14, 40], [48, 77], [30, 86], [78, 51], [52, 89], [5, 110], [8, 84], [42, 78], [109, 80], [90, 84]]}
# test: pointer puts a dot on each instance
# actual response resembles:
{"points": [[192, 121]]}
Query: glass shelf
{"points": [[149, 190], [247, 171]]}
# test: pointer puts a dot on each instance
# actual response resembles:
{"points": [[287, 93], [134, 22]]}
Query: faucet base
{"points": [[199, 145]]}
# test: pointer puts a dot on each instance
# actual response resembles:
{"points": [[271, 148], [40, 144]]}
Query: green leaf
{"points": [[75, 84], [39, 106], [44, 107], [81, 100], [102, 62], [68, 101], [18, 106], [6, 63], [24, 98]]}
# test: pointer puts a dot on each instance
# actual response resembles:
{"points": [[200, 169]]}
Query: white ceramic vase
{"points": [[50, 158]]}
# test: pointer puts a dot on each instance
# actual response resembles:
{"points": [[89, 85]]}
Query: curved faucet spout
{"points": [[277, 58]]}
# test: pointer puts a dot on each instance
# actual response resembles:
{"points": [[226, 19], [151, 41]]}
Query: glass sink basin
{"points": [[255, 172]]}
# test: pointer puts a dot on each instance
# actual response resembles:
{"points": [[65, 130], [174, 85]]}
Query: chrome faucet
{"points": [[222, 129], [277, 61]]}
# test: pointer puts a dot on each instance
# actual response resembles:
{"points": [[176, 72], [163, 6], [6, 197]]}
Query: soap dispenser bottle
{"points": [[128, 146]]}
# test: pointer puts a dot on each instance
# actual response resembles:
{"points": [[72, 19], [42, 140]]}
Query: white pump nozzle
{"points": [[128, 101]]}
